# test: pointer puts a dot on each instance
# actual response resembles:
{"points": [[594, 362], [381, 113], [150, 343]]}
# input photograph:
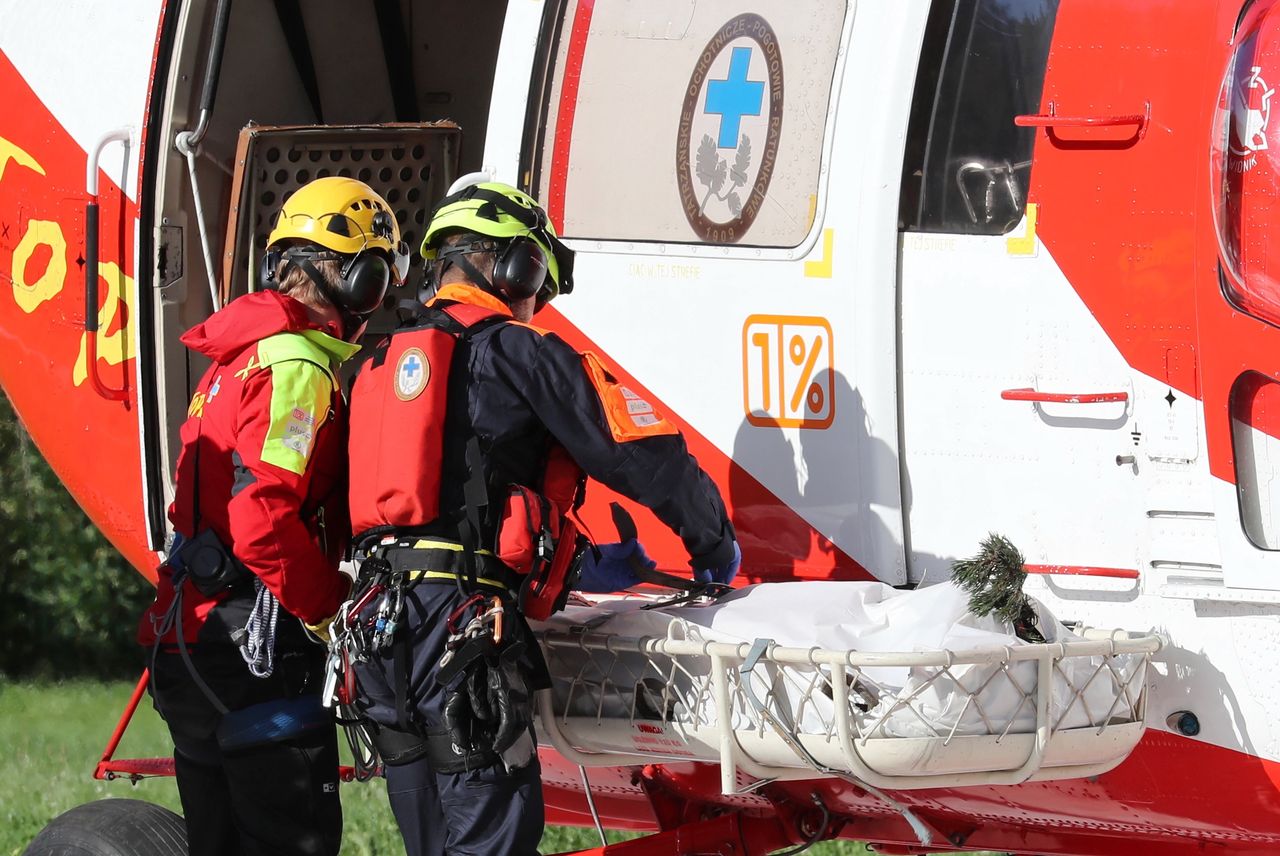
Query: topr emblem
{"points": [[1250, 115], [412, 373], [730, 128]]}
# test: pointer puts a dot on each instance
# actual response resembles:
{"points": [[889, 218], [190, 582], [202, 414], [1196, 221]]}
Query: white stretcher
{"points": [[891, 689]]}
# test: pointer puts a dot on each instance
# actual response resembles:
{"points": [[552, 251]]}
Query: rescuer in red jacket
{"points": [[260, 524], [472, 434]]}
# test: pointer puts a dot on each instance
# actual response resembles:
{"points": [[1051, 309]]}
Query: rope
{"points": [[259, 646]]}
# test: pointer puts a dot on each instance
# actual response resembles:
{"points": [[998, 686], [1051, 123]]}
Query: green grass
{"points": [[53, 735]]}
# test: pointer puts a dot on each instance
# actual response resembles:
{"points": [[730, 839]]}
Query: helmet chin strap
{"points": [[349, 320], [459, 257]]}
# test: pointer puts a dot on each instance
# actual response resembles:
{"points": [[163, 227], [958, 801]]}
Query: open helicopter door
{"points": [[255, 99], [729, 181]]}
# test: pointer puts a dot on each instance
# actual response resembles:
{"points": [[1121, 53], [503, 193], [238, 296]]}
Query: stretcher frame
{"points": [[766, 748]]}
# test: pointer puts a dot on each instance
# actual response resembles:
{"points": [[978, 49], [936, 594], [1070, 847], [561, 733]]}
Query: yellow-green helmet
{"points": [[500, 211]]}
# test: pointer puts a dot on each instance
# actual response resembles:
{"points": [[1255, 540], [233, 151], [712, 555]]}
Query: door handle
{"points": [[1028, 394], [120, 135], [1051, 120]]}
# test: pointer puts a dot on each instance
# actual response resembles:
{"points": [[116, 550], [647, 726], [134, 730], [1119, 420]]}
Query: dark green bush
{"points": [[70, 601]]}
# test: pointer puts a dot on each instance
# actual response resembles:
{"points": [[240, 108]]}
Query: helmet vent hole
{"points": [[393, 195], [294, 155], [268, 198], [302, 176], [406, 173], [314, 155], [384, 174], [378, 154]]}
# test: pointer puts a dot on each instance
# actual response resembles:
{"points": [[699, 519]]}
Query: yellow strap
{"points": [[428, 544], [446, 575]]}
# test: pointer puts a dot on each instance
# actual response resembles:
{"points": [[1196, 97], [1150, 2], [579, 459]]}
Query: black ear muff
{"points": [[521, 269], [364, 283], [267, 266]]}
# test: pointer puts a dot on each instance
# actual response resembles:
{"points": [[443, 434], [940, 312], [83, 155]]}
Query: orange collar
{"points": [[461, 293]]}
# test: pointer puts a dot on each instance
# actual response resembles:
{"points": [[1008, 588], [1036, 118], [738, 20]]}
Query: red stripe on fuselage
{"points": [[91, 443], [777, 543], [568, 107]]}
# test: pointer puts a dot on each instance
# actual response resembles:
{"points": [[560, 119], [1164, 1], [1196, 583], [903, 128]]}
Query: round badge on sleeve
{"points": [[412, 373]]}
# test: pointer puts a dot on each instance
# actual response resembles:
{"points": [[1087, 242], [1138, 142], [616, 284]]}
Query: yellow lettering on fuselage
{"points": [[10, 152], [115, 347], [29, 295]]}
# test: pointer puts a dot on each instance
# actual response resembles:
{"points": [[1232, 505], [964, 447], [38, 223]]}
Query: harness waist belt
{"points": [[429, 559]]}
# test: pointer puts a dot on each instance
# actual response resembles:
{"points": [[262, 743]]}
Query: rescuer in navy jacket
{"points": [[525, 414]]}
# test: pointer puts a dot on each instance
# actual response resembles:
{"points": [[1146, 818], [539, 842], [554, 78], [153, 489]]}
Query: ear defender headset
{"points": [[519, 268]]}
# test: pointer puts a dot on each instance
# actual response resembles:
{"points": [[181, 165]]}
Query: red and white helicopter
{"points": [[903, 271]]}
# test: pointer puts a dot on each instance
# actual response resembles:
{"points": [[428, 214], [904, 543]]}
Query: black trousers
{"points": [[279, 798]]}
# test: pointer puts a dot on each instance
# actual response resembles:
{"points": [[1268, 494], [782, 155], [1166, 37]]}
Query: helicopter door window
{"points": [[677, 121], [968, 167], [1255, 426]]}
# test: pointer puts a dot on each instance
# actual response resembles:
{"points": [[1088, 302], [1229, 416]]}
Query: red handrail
{"points": [[138, 768], [109, 769], [1026, 393], [1052, 120], [1083, 571]]}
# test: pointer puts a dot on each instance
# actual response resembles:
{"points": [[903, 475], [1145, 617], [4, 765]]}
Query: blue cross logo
{"points": [[735, 97], [412, 366]]}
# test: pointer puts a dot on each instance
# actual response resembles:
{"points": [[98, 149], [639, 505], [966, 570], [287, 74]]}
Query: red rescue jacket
{"points": [[263, 460]]}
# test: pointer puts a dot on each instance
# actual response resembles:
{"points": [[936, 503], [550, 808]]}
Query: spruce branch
{"points": [[994, 579]]}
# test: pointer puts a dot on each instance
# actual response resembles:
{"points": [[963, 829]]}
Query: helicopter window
{"points": [[678, 121], [1244, 167], [1255, 401], [968, 167]]}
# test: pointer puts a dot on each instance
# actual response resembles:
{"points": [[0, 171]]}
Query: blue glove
{"points": [[722, 574], [608, 567]]}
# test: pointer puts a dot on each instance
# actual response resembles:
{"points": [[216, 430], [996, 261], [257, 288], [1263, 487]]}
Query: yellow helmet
{"points": [[349, 218], [339, 214], [515, 219]]}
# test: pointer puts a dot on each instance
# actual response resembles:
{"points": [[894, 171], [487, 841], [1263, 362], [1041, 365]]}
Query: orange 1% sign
{"points": [[786, 371]]}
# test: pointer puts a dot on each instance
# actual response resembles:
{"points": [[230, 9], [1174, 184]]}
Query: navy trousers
{"points": [[484, 812], [487, 812]]}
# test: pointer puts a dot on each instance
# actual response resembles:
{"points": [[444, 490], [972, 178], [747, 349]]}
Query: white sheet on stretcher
{"points": [[856, 616]]}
